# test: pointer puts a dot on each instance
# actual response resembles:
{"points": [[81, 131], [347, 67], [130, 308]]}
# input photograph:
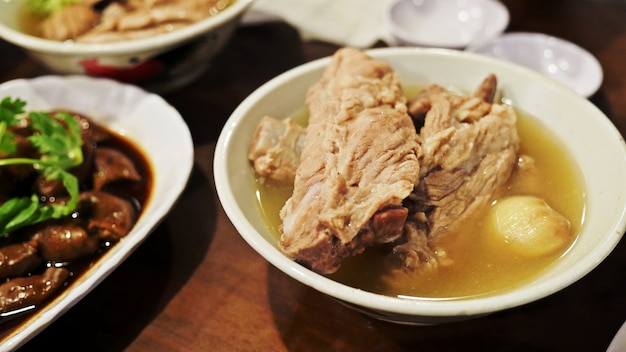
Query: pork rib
{"points": [[358, 162], [469, 149], [275, 149]]}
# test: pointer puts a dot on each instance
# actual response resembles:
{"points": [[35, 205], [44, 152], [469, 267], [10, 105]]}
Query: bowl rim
{"points": [[470, 306], [157, 42]]}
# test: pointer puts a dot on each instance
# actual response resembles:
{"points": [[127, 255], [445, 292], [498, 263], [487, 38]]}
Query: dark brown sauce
{"points": [[137, 192]]}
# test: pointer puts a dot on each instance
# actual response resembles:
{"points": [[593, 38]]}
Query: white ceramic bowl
{"points": [[160, 63], [554, 57], [131, 112], [602, 159], [446, 24]]}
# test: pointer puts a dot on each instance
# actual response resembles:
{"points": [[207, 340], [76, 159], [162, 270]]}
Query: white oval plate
{"points": [[556, 58], [146, 119], [447, 24]]}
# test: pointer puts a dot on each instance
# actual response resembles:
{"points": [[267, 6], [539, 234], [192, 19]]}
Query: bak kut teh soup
{"points": [[478, 262], [443, 195]]}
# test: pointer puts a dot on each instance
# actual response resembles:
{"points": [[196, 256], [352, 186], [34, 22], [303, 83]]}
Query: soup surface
{"points": [[476, 263]]}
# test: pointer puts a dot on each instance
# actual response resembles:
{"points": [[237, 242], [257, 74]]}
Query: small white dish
{"points": [[147, 120], [556, 58], [449, 24]]}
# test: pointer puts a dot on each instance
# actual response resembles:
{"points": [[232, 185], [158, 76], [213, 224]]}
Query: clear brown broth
{"points": [[479, 266]]}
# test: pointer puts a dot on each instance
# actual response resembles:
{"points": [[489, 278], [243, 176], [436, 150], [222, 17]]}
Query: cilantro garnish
{"points": [[59, 142], [47, 7]]}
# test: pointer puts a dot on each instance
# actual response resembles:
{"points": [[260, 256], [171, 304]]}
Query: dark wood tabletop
{"points": [[195, 285]]}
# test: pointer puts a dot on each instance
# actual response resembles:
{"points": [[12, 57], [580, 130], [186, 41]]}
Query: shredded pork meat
{"points": [[89, 21]]}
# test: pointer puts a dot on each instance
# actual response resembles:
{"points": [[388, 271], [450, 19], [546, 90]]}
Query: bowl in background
{"points": [[160, 63], [570, 117], [446, 24], [554, 57], [132, 113]]}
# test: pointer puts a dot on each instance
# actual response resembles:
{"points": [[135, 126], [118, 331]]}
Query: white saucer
{"points": [[448, 24], [556, 58]]}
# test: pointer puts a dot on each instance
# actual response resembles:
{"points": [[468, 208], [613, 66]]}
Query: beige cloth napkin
{"points": [[355, 23]]}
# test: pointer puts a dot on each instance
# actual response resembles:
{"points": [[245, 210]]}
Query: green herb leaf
{"points": [[59, 143], [57, 146], [47, 7], [9, 110]]}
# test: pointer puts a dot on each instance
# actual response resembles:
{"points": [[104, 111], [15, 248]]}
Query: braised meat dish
{"points": [[42, 256]]}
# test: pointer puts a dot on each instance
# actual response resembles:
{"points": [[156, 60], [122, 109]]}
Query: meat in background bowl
{"points": [[161, 63], [565, 114], [153, 126]]}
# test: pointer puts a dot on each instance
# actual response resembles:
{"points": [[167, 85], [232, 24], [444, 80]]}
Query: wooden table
{"points": [[195, 285]]}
